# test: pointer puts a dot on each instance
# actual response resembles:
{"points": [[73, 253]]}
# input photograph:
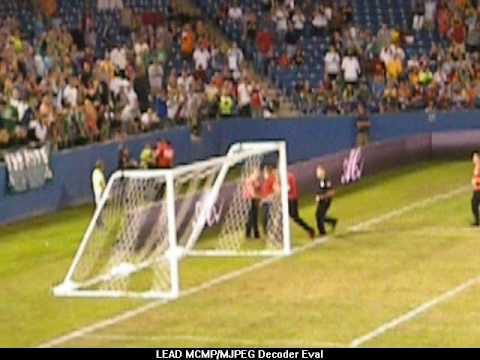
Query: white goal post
{"points": [[149, 220]]}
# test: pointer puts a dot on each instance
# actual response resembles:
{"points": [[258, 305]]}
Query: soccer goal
{"points": [[149, 221]]}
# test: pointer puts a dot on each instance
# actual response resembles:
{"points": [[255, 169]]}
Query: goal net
{"points": [[149, 220]]}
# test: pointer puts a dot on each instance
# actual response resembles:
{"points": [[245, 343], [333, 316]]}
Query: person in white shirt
{"points": [[70, 93], [201, 57], [185, 81], [39, 65], [148, 119], [155, 76], [298, 20], [40, 130], [390, 52], [332, 63], [98, 182], [132, 97], [235, 12], [141, 47], [319, 22], [290, 4], [244, 90], [117, 84], [235, 59], [351, 68], [430, 13], [281, 22], [119, 58]]}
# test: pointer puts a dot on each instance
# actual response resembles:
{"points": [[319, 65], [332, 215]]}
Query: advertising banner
{"points": [[28, 168]]}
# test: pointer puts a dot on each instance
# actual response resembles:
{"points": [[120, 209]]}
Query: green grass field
{"points": [[363, 286]]}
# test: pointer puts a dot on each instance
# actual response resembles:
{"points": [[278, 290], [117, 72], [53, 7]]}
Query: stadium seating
{"points": [[367, 14]]}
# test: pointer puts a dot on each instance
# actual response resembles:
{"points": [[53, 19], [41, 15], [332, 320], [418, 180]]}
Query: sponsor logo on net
{"points": [[213, 217], [238, 354]]}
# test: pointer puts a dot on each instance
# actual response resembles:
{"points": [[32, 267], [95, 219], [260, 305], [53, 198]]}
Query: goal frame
{"points": [[236, 153]]}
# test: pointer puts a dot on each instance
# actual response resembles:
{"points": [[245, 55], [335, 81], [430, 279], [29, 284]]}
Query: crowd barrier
{"points": [[411, 136]]}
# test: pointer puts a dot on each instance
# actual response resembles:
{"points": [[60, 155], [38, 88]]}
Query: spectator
{"points": [[351, 68], [235, 12], [70, 93], [298, 20], [235, 59], [155, 75], [430, 13], [244, 98], [226, 104], [148, 120], [281, 22], [164, 155], [362, 123], [201, 57], [394, 68], [319, 22], [291, 40], [332, 63], [124, 161], [187, 41], [147, 157], [418, 8], [264, 43]]}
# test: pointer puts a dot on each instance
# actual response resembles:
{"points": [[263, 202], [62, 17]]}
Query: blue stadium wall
{"points": [[307, 138]]}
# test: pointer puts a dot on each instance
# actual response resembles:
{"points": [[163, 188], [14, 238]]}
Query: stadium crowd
{"points": [[58, 85], [363, 66]]}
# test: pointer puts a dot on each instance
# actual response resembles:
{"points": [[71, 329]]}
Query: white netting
{"points": [[127, 249]]}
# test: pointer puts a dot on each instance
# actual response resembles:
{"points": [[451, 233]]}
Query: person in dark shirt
{"points": [[476, 188], [142, 89], [268, 192], [124, 161], [325, 193], [251, 194], [362, 123]]}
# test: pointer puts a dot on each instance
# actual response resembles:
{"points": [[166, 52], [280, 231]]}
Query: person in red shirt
{"points": [[252, 194], [476, 188], [269, 189], [264, 45], [165, 155], [457, 34], [293, 205]]}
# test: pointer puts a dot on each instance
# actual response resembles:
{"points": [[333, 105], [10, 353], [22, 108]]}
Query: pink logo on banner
{"points": [[352, 166]]}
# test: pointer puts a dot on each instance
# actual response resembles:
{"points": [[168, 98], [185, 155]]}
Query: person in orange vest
{"points": [[164, 155], [293, 205], [476, 188]]}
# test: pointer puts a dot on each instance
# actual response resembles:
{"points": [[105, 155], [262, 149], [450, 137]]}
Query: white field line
{"points": [[89, 329], [419, 310], [204, 340]]}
